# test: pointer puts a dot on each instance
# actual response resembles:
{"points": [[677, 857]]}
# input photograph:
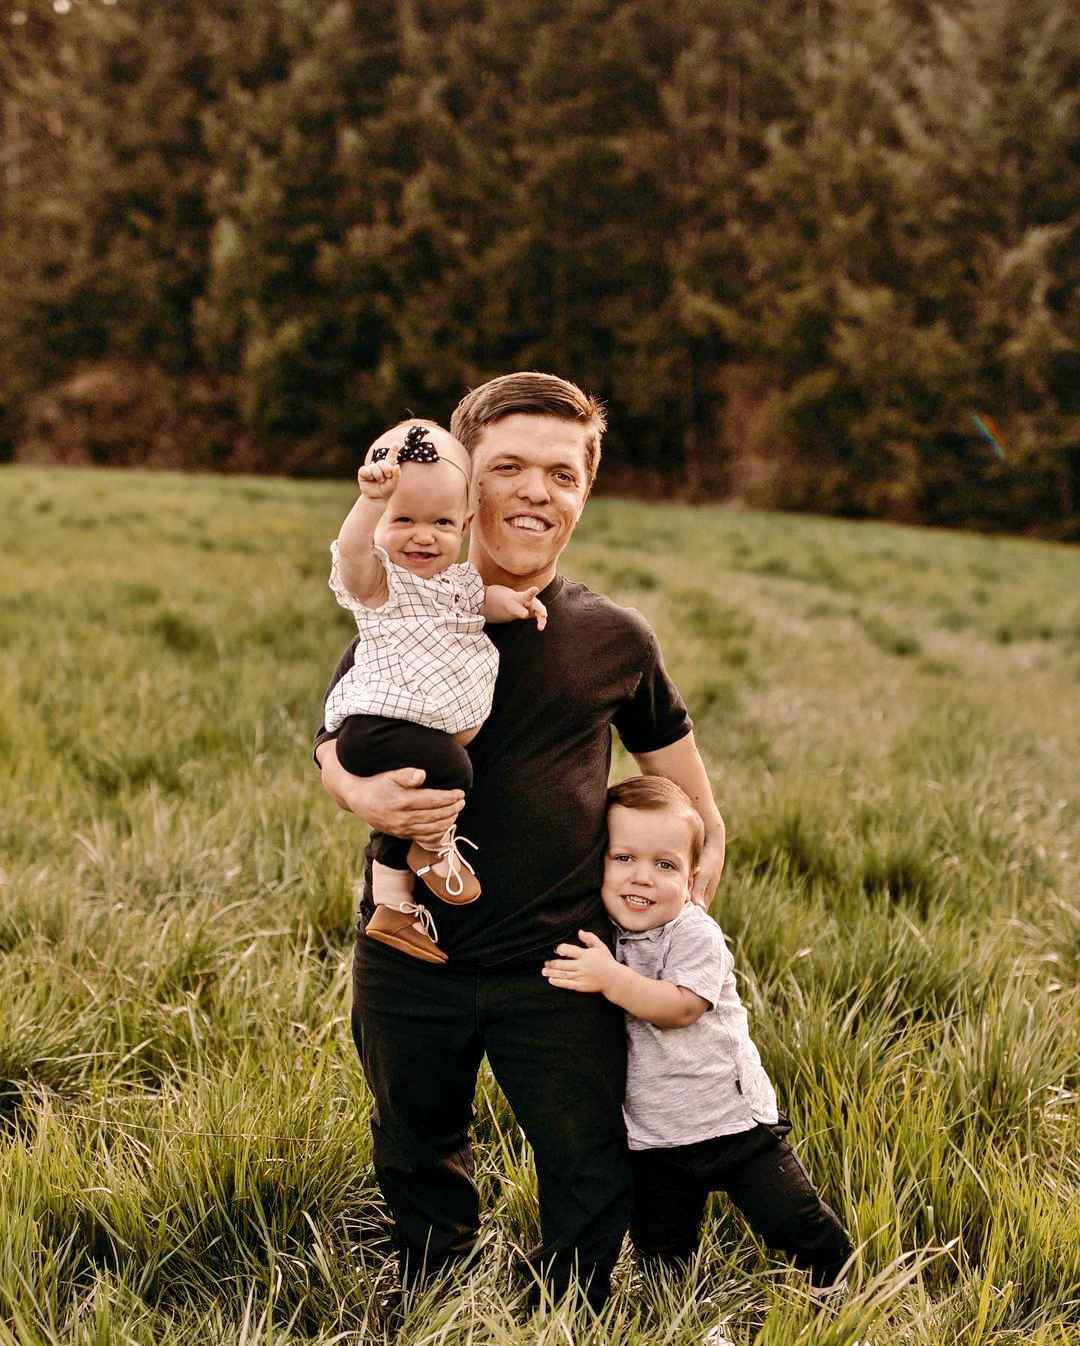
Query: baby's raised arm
{"points": [[502, 604], [360, 569]]}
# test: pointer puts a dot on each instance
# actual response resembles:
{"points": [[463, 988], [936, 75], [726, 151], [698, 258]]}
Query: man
{"points": [[537, 813]]}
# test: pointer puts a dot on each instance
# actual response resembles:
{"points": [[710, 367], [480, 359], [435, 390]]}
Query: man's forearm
{"points": [[391, 801], [681, 762], [334, 775]]}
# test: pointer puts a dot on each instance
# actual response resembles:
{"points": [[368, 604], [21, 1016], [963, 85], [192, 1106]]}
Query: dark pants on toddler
{"points": [[760, 1173], [367, 745]]}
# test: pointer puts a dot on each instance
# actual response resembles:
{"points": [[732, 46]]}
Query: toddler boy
{"points": [[700, 1111]]}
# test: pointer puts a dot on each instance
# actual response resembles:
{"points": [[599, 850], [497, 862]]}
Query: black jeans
{"points": [[370, 744], [760, 1173], [560, 1058]]}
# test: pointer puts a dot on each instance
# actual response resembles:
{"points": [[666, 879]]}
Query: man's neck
{"points": [[492, 573]]}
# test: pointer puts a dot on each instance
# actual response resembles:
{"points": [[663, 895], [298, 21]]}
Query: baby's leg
{"points": [[368, 745], [782, 1207]]}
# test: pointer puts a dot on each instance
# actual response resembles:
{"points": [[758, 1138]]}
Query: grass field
{"points": [[892, 722]]}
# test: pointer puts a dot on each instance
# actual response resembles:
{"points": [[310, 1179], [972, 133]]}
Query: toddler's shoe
{"points": [[396, 926], [459, 885]]}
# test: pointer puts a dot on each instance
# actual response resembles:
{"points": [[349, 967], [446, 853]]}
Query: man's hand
{"points": [[502, 604], [378, 481], [710, 867], [591, 968], [391, 802]]}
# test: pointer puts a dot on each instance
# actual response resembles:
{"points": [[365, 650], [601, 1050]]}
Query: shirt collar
{"points": [[657, 932]]}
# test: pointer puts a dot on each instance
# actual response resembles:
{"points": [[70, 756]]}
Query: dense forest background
{"points": [[798, 246]]}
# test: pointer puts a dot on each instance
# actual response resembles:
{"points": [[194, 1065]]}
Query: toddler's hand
{"points": [[531, 606], [502, 604], [378, 481], [581, 969]]}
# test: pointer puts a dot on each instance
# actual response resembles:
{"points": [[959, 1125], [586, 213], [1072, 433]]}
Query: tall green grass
{"points": [[892, 721]]}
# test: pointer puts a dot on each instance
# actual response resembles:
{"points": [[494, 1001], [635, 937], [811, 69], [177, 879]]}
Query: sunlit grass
{"points": [[892, 720]]}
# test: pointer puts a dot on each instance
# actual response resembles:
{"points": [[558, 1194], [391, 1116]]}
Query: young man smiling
{"points": [[537, 812]]}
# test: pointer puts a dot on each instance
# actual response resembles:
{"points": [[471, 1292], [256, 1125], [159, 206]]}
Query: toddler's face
{"points": [[425, 519], [647, 872]]}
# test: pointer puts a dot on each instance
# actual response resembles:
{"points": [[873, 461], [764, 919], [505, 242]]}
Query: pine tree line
{"points": [[797, 245]]}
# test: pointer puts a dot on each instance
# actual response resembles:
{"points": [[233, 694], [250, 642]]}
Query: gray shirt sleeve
{"points": [[698, 959]]}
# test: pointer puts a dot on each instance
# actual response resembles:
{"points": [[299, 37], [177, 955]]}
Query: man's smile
{"points": [[533, 523]]}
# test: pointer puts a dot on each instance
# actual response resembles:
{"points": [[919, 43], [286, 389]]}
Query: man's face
{"points": [[530, 482]]}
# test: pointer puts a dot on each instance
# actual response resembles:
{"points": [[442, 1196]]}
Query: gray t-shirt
{"points": [[689, 1084]]}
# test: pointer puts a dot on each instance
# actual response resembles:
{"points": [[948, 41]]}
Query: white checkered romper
{"points": [[423, 655]]}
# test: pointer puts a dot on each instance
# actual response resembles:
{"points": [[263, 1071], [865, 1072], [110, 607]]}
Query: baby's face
{"points": [[647, 867], [425, 519]]}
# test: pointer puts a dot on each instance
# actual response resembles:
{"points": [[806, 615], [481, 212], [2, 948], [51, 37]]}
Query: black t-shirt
{"points": [[541, 761]]}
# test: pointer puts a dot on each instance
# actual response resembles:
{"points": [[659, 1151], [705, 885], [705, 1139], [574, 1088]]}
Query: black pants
{"points": [[760, 1173], [370, 744], [422, 1032]]}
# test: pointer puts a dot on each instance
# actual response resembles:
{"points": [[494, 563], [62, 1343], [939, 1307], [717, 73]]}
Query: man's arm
{"points": [[681, 762], [392, 801]]}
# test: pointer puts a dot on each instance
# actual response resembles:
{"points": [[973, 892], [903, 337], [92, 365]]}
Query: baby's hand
{"points": [[378, 481], [502, 604], [581, 969]]}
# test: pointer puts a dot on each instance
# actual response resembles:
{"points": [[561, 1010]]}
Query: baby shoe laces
{"points": [[424, 917], [448, 851]]}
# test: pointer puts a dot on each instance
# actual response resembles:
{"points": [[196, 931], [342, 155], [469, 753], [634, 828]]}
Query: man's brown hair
{"points": [[535, 393], [658, 794]]}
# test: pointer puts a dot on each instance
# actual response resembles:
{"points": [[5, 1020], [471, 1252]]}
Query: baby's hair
{"points": [[658, 794]]}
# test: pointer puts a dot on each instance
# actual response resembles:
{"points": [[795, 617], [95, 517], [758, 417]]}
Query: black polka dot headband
{"points": [[417, 448]]}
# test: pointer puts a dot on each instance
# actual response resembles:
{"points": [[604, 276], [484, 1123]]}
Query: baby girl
{"points": [[424, 672]]}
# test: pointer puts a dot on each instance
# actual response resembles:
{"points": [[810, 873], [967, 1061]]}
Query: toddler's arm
{"points": [[510, 605], [593, 968], [360, 569]]}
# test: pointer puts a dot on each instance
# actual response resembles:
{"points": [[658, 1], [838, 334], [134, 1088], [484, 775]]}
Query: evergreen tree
{"points": [[303, 184]]}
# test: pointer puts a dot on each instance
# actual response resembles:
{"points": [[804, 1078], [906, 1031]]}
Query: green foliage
{"points": [[184, 1153], [797, 247]]}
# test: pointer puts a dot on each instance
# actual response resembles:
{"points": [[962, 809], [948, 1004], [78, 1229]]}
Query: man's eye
{"points": [[566, 478], [505, 467]]}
